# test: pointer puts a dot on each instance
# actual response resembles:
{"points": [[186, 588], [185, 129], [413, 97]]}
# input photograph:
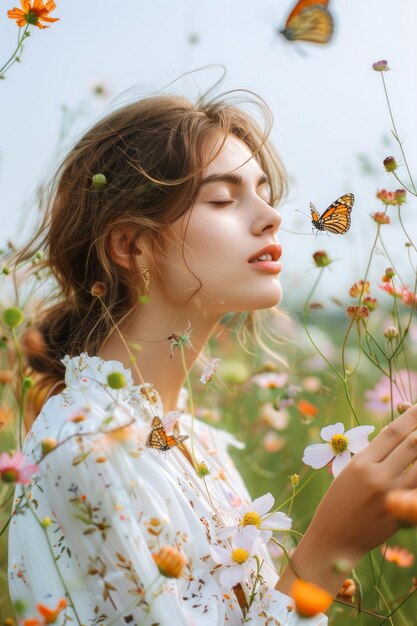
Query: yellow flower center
{"points": [[240, 555], [385, 399], [251, 518], [339, 443]]}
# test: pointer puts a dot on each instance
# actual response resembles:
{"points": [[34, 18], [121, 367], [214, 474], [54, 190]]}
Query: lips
{"points": [[273, 249]]}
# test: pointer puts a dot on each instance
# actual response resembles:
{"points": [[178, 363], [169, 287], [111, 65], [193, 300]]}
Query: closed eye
{"points": [[221, 202]]}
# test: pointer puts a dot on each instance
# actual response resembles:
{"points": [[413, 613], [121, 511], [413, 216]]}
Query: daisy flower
{"points": [[256, 516], [33, 14], [239, 558], [339, 446]]}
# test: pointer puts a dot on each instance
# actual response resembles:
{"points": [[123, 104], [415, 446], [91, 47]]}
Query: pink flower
{"points": [[390, 289], [378, 399], [209, 370], [270, 380], [14, 470], [408, 297]]}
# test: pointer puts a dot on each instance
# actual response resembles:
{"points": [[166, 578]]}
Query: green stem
{"points": [[20, 40]]}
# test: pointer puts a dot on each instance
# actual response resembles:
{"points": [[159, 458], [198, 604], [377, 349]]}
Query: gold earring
{"points": [[146, 277]]}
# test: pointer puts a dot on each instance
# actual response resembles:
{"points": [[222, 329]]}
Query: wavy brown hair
{"points": [[152, 153]]}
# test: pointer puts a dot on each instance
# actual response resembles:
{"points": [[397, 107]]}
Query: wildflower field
{"points": [[346, 372]]}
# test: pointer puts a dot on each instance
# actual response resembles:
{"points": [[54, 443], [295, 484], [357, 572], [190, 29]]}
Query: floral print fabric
{"points": [[111, 503]]}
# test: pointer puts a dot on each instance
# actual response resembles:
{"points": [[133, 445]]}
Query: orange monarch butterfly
{"points": [[159, 440], [309, 21], [335, 219]]}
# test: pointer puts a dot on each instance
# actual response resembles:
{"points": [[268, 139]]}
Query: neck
{"points": [[158, 360]]}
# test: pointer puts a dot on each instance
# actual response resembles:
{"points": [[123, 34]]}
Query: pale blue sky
{"points": [[327, 102]]}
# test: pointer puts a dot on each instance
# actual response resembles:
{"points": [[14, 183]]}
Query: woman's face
{"points": [[229, 225]]}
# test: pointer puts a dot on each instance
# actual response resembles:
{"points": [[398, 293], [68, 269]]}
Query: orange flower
{"points": [[306, 408], [401, 556], [50, 615], [347, 590], [309, 598], [402, 505], [169, 561], [33, 14]]}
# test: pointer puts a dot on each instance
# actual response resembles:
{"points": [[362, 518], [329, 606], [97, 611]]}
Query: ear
{"points": [[123, 245]]}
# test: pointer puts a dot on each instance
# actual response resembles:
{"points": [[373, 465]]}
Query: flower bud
{"points": [[347, 590], [389, 273], [5, 270], [203, 470], [28, 382], [380, 66], [371, 303], [381, 218], [387, 197], [99, 181], [400, 196], [116, 380], [357, 312], [46, 522], [48, 444], [295, 479], [390, 164], [12, 317], [98, 289], [309, 599], [403, 406], [170, 562], [390, 332], [359, 288], [321, 258]]}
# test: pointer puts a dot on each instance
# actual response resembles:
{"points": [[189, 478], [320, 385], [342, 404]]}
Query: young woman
{"points": [[162, 221]]}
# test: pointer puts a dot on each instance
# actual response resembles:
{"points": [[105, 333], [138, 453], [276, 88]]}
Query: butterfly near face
{"points": [[335, 219], [309, 21], [159, 440]]}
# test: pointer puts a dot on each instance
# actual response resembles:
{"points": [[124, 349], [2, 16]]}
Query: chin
{"points": [[265, 299]]}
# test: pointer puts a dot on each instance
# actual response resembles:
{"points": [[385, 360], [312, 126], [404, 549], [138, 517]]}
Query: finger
{"points": [[399, 459], [408, 478], [391, 436]]}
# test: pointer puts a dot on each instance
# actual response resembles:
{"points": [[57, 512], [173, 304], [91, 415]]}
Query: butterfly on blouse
{"points": [[309, 21], [159, 440], [335, 219]]}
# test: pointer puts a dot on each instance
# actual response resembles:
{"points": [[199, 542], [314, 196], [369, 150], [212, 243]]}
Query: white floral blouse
{"points": [[103, 502]]}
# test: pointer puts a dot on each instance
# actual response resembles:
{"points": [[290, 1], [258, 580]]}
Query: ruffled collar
{"points": [[83, 371]]}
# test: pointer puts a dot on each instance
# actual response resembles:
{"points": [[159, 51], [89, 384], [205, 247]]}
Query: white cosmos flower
{"points": [[339, 447], [209, 370], [239, 558], [255, 515]]}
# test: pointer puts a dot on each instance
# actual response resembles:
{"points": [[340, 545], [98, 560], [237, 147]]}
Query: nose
{"points": [[267, 219]]}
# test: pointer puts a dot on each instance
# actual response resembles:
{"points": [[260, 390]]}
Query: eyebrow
{"points": [[232, 178]]}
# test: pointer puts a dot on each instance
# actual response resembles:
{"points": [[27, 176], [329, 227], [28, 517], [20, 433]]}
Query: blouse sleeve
{"points": [[110, 506]]}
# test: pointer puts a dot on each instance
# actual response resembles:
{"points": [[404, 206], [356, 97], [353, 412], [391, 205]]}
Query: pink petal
{"points": [[340, 462], [327, 432], [263, 504], [358, 437], [230, 576], [318, 455]]}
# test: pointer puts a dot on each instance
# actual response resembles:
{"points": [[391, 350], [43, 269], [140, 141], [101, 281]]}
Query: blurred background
{"points": [[333, 130]]}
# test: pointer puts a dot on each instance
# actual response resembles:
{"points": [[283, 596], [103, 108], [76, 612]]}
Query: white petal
{"points": [[245, 538], [327, 432], [340, 462], [230, 576], [358, 437], [220, 555], [263, 504], [277, 521], [228, 531], [318, 455], [265, 535]]}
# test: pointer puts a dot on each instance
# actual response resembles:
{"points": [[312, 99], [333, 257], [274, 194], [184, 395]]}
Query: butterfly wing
{"points": [[158, 438], [336, 219], [305, 4], [313, 23], [314, 215]]}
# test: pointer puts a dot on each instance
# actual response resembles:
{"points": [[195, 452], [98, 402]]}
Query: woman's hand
{"points": [[352, 518]]}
